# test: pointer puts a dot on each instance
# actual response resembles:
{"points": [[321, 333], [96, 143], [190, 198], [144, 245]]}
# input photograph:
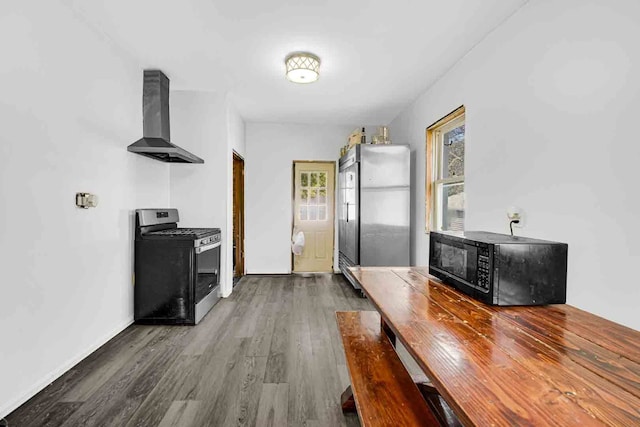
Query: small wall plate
{"points": [[86, 200]]}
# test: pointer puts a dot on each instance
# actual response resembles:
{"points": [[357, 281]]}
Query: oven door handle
{"points": [[205, 248]]}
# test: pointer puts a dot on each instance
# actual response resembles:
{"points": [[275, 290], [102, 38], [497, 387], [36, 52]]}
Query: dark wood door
{"points": [[238, 215]]}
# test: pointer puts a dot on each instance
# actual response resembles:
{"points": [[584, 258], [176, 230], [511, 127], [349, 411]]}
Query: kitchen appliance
{"points": [[373, 207], [499, 269], [177, 270], [156, 136]]}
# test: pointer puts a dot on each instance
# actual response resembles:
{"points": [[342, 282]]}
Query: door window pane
{"points": [[304, 179], [322, 213], [314, 179], [313, 213], [313, 197], [304, 195], [322, 196], [303, 213], [323, 179]]}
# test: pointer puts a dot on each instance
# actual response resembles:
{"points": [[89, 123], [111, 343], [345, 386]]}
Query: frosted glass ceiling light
{"points": [[302, 67]]}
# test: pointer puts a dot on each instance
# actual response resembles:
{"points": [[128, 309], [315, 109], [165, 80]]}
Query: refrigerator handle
{"points": [[347, 211]]}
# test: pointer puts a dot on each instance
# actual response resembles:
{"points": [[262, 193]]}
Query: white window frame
{"points": [[434, 147]]}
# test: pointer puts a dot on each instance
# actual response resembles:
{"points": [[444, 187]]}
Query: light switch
{"points": [[86, 200]]}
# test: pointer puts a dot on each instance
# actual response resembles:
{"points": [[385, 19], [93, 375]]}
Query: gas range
{"points": [[200, 236], [177, 269], [162, 224]]}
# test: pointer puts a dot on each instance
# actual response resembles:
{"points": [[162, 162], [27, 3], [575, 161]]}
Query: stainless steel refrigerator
{"points": [[373, 207]]}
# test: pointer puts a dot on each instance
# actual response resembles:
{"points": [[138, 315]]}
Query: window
{"points": [[445, 196], [313, 196]]}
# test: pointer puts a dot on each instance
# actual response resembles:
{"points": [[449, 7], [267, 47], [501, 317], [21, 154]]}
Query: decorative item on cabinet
{"points": [[358, 137], [382, 137], [355, 137]]}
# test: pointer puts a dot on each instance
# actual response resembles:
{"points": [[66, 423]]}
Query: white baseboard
{"points": [[268, 272], [272, 273], [57, 373]]}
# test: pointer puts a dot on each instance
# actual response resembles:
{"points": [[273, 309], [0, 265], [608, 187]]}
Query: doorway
{"points": [[238, 217], [313, 214]]}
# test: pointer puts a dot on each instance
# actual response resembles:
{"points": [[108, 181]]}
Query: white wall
{"points": [[236, 127], [198, 124], [552, 98], [270, 151], [237, 143], [207, 125], [69, 106]]}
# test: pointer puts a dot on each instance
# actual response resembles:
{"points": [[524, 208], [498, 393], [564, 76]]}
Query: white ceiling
{"points": [[377, 56]]}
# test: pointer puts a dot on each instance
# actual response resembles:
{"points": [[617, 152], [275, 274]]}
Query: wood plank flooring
{"points": [[269, 355]]}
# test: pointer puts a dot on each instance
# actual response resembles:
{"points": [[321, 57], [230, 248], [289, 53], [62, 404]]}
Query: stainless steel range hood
{"points": [[156, 141]]}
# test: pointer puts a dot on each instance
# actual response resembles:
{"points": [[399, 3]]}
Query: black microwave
{"points": [[499, 269]]}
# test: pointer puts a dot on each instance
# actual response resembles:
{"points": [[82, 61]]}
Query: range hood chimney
{"points": [[156, 140]]}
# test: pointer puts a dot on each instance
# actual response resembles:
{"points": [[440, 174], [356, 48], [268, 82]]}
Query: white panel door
{"points": [[314, 215]]}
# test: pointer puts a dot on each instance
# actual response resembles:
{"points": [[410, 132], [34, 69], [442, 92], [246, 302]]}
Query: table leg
{"points": [[439, 407], [347, 401], [387, 330]]}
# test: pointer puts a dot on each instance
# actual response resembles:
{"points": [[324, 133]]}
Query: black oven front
{"points": [[207, 269]]}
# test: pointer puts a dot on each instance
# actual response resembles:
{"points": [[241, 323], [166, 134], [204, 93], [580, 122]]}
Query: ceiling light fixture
{"points": [[302, 67]]}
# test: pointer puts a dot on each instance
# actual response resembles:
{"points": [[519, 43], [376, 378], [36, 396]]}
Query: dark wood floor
{"points": [[270, 355]]}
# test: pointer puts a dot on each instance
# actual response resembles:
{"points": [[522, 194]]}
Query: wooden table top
{"points": [[551, 365]]}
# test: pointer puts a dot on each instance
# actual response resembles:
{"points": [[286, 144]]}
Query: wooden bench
{"points": [[382, 391]]}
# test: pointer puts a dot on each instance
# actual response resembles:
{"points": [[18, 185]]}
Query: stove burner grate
{"points": [[184, 232]]}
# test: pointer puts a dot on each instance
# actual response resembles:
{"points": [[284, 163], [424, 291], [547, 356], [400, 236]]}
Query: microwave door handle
{"points": [[205, 248]]}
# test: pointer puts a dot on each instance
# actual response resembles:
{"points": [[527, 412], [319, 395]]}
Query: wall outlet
{"points": [[514, 213]]}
